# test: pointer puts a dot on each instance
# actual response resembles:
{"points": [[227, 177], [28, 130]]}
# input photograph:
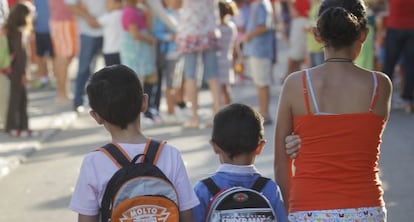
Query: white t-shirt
{"points": [[112, 31], [96, 8], [97, 169]]}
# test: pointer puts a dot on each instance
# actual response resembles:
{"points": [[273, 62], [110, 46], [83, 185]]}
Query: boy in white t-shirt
{"points": [[116, 98], [112, 31]]}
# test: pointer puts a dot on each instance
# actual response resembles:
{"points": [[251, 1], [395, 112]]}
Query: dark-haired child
{"points": [[18, 27], [237, 138], [228, 32], [117, 99]]}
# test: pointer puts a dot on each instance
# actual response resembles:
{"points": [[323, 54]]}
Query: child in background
{"points": [[138, 49], [167, 57], [18, 27], [228, 32], [112, 31], [5, 67], [43, 44], [315, 49], [112, 91], [237, 138]]}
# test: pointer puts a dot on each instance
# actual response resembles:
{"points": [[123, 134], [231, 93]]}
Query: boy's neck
{"points": [[240, 160], [132, 134]]}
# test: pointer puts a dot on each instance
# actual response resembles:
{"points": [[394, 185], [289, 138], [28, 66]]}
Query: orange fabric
{"points": [[147, 208], [338, 162]]}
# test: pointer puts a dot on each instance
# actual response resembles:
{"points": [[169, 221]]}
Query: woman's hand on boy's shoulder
{"points": [[293, 143]]}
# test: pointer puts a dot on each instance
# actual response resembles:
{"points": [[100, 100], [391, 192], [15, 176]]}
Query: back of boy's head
{"points": [[115, 93], [237, 129]]}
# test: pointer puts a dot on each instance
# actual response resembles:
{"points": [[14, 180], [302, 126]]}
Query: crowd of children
{"points": [[242, 38]]}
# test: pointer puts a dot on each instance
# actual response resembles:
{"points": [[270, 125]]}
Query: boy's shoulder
{"points": [[98, 157]]}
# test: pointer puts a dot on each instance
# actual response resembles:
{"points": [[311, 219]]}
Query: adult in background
{"points": [[197, 37], [64, 35], [299, 13], [399, 42], [91, 40], [340, 137]]}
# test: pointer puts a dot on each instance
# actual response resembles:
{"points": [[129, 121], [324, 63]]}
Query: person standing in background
{"points": [[228, 32], [315, 48], [399, 42], [43, 44], [299, 10], [91, 40], [64, 35], [197, 37], [138, 50], [18, 27], [5, 63], [112, 32], [259, 46]]}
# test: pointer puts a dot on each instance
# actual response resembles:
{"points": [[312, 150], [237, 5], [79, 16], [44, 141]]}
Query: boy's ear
{"points": [[144, 105], [260, 147], [96, 117], [216, 149]]}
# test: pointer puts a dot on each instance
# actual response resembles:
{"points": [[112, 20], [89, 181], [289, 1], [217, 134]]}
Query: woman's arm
{"points": [[284, 128]]}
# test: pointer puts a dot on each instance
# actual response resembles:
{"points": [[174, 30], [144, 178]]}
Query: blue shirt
{"points": [[164, 35], [42, 16], [264, 45], [228, 176]]}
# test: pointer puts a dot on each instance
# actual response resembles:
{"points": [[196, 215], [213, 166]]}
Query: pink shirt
{"points": [[59, 10], [131, 15]]}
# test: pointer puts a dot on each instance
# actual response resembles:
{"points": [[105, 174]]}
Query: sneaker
{"points": [[153, 114], [79, 109], [171, 119], [181, 105]]}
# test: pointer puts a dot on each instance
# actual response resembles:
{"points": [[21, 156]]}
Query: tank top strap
{"points": [[305, 92], [374, 92]]}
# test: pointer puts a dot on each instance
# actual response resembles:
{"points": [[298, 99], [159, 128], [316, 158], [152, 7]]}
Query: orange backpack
{"points": [[138, 191]]}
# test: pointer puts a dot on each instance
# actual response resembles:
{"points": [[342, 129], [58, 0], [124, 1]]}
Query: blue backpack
{"points": [[239, 203]]}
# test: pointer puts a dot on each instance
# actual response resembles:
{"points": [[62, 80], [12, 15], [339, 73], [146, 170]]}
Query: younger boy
{"points": [[116, 98], [238, 136]]}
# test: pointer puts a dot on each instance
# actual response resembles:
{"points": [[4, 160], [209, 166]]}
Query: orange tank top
{"points": [[338, 163]]}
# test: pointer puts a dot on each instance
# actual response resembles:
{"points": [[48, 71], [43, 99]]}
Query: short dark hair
{"points": [[341, 22], [115, 93], [237, 129], [17, 16]]}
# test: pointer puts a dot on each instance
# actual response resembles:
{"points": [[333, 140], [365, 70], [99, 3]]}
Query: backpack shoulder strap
{"points": [[116, 154], [260, 183], [153, 150], [211, 186]]}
